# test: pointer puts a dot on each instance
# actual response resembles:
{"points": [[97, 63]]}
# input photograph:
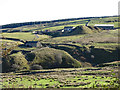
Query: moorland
{"points": [[43, 54]]}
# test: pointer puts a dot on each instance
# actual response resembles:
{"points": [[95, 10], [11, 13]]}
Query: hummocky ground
{"points": [[83, 47]]}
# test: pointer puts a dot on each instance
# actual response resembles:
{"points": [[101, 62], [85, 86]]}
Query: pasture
{"points": [[99, 77], [95, 51], [24, 36]]}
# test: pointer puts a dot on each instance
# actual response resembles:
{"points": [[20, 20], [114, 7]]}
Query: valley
{"points": [[66, 53]]}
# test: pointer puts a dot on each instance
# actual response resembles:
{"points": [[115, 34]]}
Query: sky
{"points": [[16, 11]]}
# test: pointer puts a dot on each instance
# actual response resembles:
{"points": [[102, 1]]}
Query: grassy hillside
{"points": [[91, 54], [102, 37], [44, 57], [58, 24], [52, 58], [86, 57], [24, 36], [78, 30], [85, 30], [107, 20], [82, 36], [14, 62]]}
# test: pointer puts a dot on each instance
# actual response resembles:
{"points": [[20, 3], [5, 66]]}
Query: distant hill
{"points": [[55, 25], [14, 25], [76, 31]]}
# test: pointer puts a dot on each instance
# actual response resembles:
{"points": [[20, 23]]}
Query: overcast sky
{"points": [[15, 11]]}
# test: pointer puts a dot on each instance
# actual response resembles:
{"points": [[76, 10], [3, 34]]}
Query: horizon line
{"points": [[60, 19]]}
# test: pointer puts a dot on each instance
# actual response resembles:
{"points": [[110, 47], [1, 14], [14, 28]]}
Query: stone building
{"points": [[33, 44], [105, 26]]}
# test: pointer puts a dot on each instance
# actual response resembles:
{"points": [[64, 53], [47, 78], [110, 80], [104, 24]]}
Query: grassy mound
{"points": [[85, 30], [14, 62], [39, 59], [52, 58]]}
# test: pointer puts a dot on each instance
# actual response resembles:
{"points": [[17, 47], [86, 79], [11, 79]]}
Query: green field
{"points": [[60, 27], [24, 36], [103, 21], [62, 78], [9, 41], [86, 57], [63, 39]]}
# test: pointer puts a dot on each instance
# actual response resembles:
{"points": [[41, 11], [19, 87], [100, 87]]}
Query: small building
{"points": [[105, 26], [63, 30], [34, 32], [33, 44], [69, 28], [37, 32]]}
